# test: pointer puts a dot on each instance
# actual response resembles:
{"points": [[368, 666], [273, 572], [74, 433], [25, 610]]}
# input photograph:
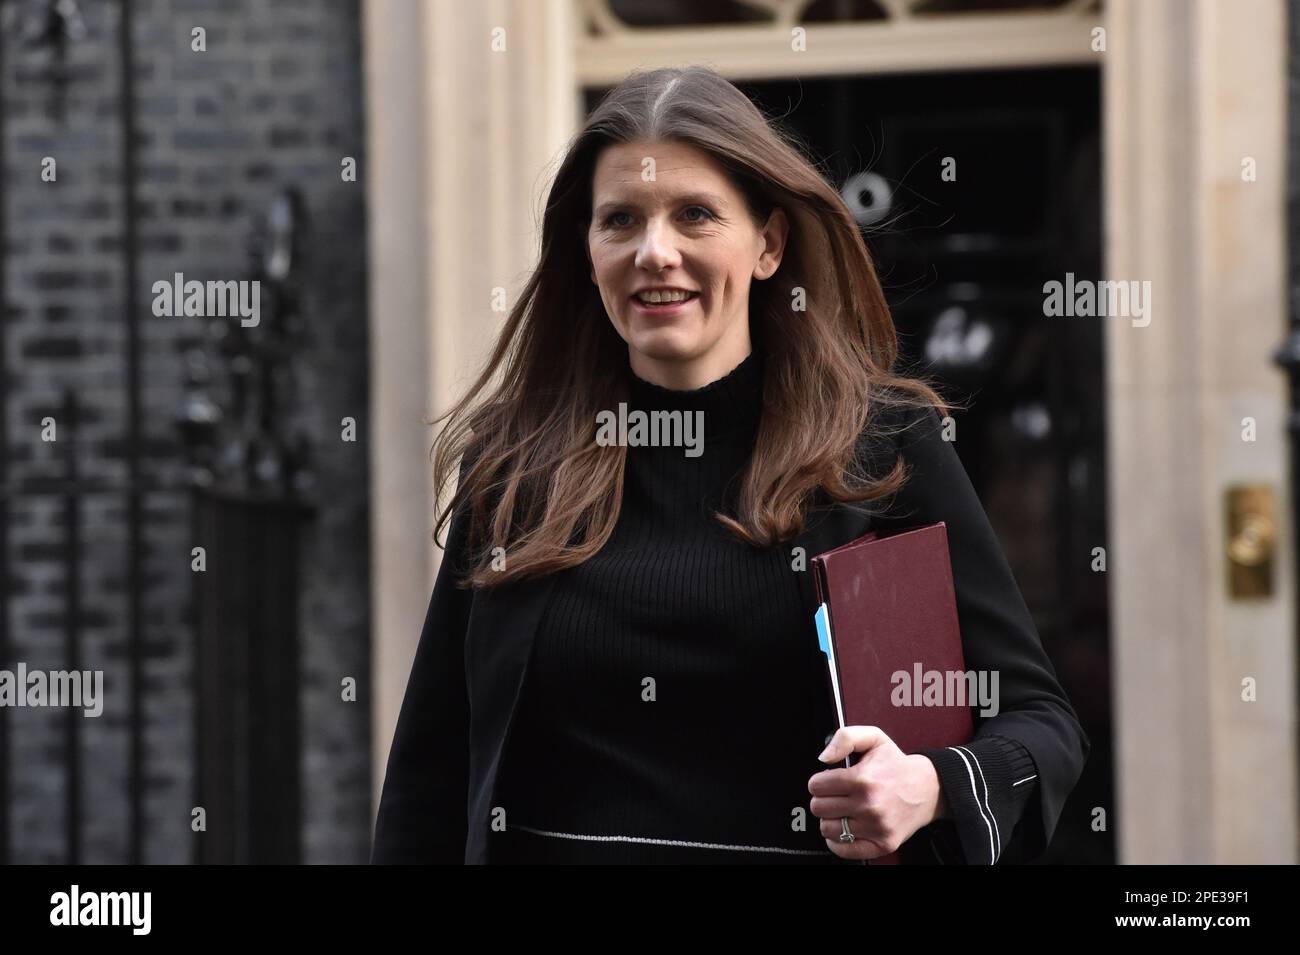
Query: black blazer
{"points": [[470, 665]]}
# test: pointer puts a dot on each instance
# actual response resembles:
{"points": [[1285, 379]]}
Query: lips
{"points": [[691, 295], [663, 307], [662, 310]]}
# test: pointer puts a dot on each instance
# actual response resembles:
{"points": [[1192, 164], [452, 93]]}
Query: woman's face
{"points": [[667, 216]]}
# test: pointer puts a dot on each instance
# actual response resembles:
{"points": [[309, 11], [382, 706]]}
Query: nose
{"points": [[656, 250]]}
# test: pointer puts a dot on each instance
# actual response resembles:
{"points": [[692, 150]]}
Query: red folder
{"points": [[892, 608]]}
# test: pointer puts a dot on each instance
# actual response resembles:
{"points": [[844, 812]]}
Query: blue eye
{"points": [[708, 215]]}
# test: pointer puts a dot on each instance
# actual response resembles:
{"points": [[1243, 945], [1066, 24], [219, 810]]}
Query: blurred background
{"points": [[233, 523]]}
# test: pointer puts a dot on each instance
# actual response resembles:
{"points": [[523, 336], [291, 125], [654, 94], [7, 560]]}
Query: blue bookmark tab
{"points": [[823, 629], [823, 620]]}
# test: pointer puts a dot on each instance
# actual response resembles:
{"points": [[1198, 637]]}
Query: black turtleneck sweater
{"points": [[675, 701]]}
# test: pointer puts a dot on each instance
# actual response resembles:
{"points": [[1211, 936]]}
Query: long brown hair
{"points": [[534, 479]]}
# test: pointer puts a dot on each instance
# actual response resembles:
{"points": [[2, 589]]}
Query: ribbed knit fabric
{"points": [[987, 783], [675, 700]]}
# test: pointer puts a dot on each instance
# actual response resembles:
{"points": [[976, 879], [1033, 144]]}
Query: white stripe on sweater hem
{"points": [[671, 842], [997, 831], [974, 792]]}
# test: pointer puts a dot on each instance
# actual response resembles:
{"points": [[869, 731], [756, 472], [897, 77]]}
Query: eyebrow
{"points": [[708, 197]]}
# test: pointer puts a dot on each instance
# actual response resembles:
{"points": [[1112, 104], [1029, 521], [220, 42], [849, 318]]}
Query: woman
{"points": [[618, 662]]}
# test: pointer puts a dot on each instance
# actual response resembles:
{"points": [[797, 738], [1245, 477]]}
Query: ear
{"points": [[774, 235]]}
